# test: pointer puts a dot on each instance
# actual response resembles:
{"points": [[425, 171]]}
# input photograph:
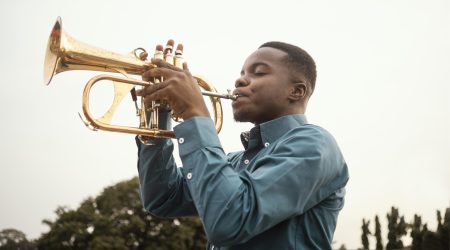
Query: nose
{"points": [[242, 81]]}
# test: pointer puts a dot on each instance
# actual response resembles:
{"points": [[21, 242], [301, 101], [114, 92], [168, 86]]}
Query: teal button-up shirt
{"points": [[283, 192]]}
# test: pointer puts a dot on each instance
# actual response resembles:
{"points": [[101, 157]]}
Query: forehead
{"points": [[266, 55]]}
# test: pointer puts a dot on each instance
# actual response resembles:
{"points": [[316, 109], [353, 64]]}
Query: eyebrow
{"points": [[253, 66]]}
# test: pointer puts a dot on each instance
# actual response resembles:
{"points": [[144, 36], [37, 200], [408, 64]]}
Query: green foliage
{"points": [[396, 229], [444, 233], [422, 238], [416, 233], [439, 239], [12, 239], [365, 233], [342, 247], [430, 240], [379, 241], [116, 220]]}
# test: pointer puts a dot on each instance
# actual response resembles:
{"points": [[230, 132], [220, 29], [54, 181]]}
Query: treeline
{"points": [[422, 237], [115, 219]]}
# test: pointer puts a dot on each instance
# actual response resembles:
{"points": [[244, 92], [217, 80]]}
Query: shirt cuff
{"points": [[196, 133]]}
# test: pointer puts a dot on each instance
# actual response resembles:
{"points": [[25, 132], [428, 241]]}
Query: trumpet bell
{"points": [[65, 53], [51, 54]]}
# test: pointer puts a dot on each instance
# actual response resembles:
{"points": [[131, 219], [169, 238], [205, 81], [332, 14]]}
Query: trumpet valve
{"points": [[168, 52], [159, 54], [178, 60]]}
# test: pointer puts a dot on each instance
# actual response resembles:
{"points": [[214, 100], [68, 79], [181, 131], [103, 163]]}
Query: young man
{"points": [[283, 191]]}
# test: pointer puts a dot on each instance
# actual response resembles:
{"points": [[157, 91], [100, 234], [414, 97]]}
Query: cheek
{"points": [[271, 96]]}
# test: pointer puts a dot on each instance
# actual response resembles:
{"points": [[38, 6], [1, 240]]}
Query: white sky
{"points": [[382, 90]]}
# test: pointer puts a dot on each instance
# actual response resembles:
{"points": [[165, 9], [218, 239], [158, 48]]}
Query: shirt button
{"points": [[246, 161], [181, 140], [266, 144], [189, 176]]}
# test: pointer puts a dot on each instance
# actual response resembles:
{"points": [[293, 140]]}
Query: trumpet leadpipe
{"points": [[224, 96]]}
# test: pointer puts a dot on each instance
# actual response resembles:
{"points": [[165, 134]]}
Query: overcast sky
{"points": [[382, 91]]}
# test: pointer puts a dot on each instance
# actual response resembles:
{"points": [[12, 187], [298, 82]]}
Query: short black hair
{"points": [[298, 60]]}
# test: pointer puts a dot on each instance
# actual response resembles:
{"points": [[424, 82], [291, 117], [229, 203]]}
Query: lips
{"points": [[241, 99], [238, 94]]}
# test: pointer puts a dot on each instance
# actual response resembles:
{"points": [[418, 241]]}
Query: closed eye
{"points": [[257, 69], [260, 73], [260, 69]]}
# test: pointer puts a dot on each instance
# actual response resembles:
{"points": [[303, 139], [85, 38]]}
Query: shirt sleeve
{"points": [[290, 178], [163, 189]]}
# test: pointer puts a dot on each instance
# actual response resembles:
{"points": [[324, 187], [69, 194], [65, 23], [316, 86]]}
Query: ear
{"points": [[298, 91]]}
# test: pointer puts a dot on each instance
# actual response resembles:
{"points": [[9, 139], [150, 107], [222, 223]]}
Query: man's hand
{"points": [[178, 88]]}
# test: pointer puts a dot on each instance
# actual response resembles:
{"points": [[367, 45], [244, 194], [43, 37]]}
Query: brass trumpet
{"points": [[64, 53]]}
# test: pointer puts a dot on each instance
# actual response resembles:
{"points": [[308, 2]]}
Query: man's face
{"points": [[263, 87]]}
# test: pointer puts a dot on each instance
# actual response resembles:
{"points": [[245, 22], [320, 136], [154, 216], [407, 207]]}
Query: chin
{"points": [[241, 117]]}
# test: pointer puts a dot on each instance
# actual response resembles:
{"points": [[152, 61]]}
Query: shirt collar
{"points": [[272, 130], [251, 138]]}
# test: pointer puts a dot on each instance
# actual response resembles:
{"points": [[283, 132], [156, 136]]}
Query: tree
{"points": [[439, 239], [430, 240], [342, 247], [12, 239], [416, 233], [116, 220], [402, 227], [365, 233], [396, 229], [445, 230], [422, 238], [379, 240]]}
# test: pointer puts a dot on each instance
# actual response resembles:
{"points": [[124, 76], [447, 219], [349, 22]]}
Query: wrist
{"points": [[193, 113]]}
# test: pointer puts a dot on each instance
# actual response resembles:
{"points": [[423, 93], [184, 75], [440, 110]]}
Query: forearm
{"points": [[162, 187]]}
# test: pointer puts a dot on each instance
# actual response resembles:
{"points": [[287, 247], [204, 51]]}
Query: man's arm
{"points": [[299, 172], [163, 189]]}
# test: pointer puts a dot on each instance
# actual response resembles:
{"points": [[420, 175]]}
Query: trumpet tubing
{"points": [[64, 53]]}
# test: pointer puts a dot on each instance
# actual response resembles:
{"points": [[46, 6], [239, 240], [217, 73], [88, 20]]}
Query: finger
{"points": [[159, 52], [179, 50], [163, 64], [141, 92], [143, 55], [157, 72], [159, 95], [147, 91], [169, 46], [148, 101], [178, 59], [185, 66]]}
